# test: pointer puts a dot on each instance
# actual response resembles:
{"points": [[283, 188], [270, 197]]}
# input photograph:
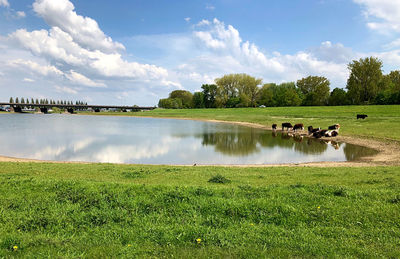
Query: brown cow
{"points": [[287, 125], [299, 126]]}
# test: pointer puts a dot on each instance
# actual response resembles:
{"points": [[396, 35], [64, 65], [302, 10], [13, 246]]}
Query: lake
{"points": [[113, 139]]}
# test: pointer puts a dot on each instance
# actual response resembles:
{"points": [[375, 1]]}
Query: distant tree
{"points": [[27, 100], [36, 101], [198, 100], [240, 87], [16, 100], [11, 100], [210, 95], [338, 97], [22, 100], [395, 78], [32, 101], [315, 90], [170, 103], [266, 95], [185, 96], [364, 80]]}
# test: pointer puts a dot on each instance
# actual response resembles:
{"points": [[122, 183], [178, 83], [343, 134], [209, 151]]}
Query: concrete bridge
{"points": [[17, 107]]}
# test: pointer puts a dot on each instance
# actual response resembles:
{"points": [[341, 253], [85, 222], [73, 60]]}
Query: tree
{"points": [[198, 100], [11, 100], [32, 101], [16, 100], [395, 78], [185, 96], [22, 100], [338, 97], [210, 94], [266, 95], [242, 86], [363, 83], [315, 90], [170, 103]]}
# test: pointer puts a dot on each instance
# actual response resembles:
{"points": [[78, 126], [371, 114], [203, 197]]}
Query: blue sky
{"points": [[135, 52]]}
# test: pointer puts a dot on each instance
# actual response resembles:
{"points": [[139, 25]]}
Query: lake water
{"points": [[158, 141]]}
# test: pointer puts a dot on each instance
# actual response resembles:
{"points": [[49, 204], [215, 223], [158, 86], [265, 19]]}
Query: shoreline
{"points": [[388, 152]]}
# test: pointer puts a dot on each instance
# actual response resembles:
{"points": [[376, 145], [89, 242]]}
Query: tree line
{"points": [[45, 101], [366, 85]]}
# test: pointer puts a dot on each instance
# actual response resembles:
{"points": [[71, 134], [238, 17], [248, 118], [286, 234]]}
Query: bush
{"points": [[219, 179]]}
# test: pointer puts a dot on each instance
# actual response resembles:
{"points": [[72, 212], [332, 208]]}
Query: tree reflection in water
{"points": [[353, 152], [240, 142]]}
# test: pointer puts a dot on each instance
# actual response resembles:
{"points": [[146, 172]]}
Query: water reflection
{"points": [[159, 141]]}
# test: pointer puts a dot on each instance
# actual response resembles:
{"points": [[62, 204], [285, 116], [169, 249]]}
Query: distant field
{"points": [[104, 210], [383, 122]]}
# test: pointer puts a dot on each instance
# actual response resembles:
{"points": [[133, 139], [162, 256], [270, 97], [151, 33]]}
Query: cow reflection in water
{"points": [[240, 143]]}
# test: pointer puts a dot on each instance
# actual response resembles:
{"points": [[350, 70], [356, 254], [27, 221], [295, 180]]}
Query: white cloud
{"points": [[187, 19], [20, 14], [28, 80], [387, 11], [4, 3], [44, 70], [84, 30], [210, 7], [65, 89], [80, 79]]}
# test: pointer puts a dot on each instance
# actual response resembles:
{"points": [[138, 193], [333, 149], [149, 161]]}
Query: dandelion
{"points": [[198, 240], [15, 248], [129, 245], [318, 207], [252, 224]]}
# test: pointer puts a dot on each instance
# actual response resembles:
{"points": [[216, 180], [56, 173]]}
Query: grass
{"points": [[104, 210], [382, 122]]}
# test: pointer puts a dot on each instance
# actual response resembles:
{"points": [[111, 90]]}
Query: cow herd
{"points": [[332, 131]]}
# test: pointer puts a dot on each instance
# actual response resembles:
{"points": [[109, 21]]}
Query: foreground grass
{"points": [[382, 122], [103, 210]]}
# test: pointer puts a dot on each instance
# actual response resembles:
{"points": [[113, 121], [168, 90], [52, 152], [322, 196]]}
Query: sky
{"points": [[136, 52]]}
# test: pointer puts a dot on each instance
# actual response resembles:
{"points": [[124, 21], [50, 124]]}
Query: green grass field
{"points": [[383, 122], [106, 210]]}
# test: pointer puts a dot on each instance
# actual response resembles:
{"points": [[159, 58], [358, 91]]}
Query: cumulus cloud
{"points": [[65, 89], [387, 11], [44, 70], [227, 47], [83, 30], [80, 79], [20, 14], [4, 3]]}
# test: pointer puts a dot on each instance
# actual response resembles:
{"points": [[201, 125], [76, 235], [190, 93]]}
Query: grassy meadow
{"points": [[105, 210], [383, 122], [127, 211]]}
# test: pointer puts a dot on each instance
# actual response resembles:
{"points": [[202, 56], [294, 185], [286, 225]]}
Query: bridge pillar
{"points": [[43, 109], [70, 110], [16, 109]]}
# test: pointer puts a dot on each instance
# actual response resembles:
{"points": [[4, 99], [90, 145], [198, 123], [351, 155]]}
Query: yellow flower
{"points": [[318, 207], [198, 240], [251, 224], [15, 248], [129, 245]]}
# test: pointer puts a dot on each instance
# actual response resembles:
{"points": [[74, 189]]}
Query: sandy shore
{"points": [[388, 151]]}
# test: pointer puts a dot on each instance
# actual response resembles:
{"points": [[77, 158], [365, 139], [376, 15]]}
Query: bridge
{"points": [[44, 108]]}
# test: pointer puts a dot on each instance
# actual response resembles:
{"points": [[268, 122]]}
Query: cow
{"points": [[299, 126], [334, 127], [334, 133], [286, 125], [361, 116], [311, 130], [319, 134], [274, 126]]}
